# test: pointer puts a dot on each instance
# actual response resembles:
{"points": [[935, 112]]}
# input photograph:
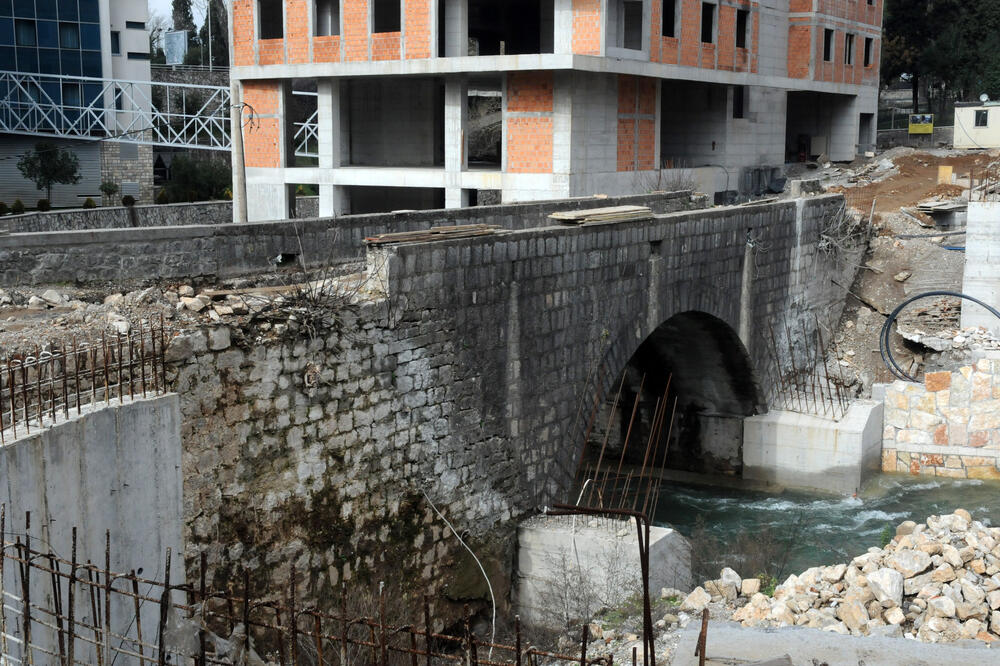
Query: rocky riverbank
{"points": [[937, 581]]}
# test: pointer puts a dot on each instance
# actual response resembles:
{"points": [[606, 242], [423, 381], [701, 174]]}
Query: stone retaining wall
{"points": [[948, 426], [214, 249]]}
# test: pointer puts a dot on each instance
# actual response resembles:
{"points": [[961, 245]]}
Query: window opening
{"points": [[827, 45], [742, 22], [739, 102], [669, 18], [272, 24], [982, 118], [385, 16], [327, 17], [707, 23], [848, 49]]}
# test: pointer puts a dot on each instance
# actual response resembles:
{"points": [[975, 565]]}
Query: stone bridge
{"points": [[463, 379]]}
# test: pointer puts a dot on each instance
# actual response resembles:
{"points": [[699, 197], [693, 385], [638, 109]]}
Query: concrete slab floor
{"points": [[730, 644]]}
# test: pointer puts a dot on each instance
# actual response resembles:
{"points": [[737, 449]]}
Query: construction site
{"points": [[610, 337]]}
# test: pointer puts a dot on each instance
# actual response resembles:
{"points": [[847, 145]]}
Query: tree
{"points": [[217, 30], [181, 14], [47, 165], [910, 28]]}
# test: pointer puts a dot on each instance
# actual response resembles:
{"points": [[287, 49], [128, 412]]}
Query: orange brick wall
{"points": [[418, 28], [262, 139], [271, 51], [800, 5], [529, 92], [297, 31], [799, 50], [385, 45], [355, 18], [529, 137], [587, 27], [243, 32], [636, 123], [326, 49]]}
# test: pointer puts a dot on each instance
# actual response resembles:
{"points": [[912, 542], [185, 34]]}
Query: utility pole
{"points": [[236, 133]]}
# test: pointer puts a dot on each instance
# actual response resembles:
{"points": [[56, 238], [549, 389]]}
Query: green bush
{"points": [[89, 203], [18, 207], [3, 208], [128, 200], [198, 179], [161, 197], [43, 205], [109, 188]]}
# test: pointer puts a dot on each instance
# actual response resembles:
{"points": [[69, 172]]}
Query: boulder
{"points": [[910, 562], [749, 586], [887, 586], [941, 607], [853, 614], [697, 601]]}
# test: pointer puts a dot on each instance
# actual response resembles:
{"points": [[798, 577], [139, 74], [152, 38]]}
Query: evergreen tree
{"points": [[49, 164], [182, 17], [216, 13]]}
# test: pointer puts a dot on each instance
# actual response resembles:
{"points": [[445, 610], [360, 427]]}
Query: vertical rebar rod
{"points": [[203, 598], [93, 376], [142, 360], [24, 397], [381, 624], [95, 609], [121, 377], [670, 432], [2, 427], [40, 408], [246, 614], [76, 375], [11, 385], [65, 384], [427, 629], [57, 605], [318, 628], [138, 618], [131, 366], [107, 370], [607, 434], [293, 619], [70, 624], [161, 655], [152, 360], [3, 557], [26, 582], [517, 640], [163, 354], [347, 628], [107, 595]]}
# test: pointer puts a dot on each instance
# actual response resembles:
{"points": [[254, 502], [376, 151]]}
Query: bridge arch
{"points": [[695, 364]]}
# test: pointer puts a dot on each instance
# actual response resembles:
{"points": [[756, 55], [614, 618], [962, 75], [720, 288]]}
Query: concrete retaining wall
{"points": [[805, 451], [115, 468], [947, 426], [943, 136], [982, 264], [220, 250]]}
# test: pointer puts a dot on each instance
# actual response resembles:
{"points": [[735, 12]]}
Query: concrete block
{"points": [[803, 451], [569, 567]]}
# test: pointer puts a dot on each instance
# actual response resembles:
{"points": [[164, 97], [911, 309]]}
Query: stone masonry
{"points": [[460, 380], [948, 426]]}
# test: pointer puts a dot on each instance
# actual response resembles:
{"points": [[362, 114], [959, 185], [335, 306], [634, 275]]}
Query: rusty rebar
{"points": [[70, 628], [607, 434], [3, 557], [138, 619]]}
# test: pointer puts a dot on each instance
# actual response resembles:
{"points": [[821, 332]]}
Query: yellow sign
{"points": [[921, 123]]}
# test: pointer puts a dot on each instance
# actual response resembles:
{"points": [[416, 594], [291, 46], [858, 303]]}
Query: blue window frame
{"points": [[24, 32], [69, 35], [25, 8], [70, 62], [27, 60], [7, 31], [48, 34], [90, 36], [45, 9], [7, 58], [89, 11], [68, 11], [91, 63], [48, 61], [6, 8]]}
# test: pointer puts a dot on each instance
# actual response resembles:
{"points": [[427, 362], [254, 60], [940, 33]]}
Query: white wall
{"points": [[982, 264], [967, 135]]}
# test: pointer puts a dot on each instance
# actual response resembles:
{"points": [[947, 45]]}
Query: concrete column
{"points": [[456, 28], [331, 118], [563, 18], [456, 153], [562, 122], [844, 121]]}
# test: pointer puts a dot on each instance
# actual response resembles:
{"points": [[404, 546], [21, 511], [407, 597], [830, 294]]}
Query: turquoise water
{"points": [[789, 532]]}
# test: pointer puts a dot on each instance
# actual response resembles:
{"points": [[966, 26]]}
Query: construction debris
{"points": [[597, 215], [434, 234]]}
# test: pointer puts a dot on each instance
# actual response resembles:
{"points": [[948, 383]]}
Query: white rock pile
{"points": [[935, 582]]}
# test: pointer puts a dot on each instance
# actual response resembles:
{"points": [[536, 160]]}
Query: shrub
{"points": [[3, 208], [161, 197], [18, 207], [89, 203], [128, 200], [109, 188], [43, 205]]}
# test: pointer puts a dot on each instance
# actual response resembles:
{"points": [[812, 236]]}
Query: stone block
{"points": [[889, 460], [979, 438], [924, 420], [984, 472], [911, 436], [937, 381], [941, 435]]}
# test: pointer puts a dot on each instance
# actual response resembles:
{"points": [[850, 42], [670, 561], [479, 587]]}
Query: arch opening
{"points": [[679, 403]]}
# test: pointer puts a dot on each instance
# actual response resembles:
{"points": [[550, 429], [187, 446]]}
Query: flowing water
{"points": [[793, 530]]}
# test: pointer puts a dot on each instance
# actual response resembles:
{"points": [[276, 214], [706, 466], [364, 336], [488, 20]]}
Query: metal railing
{"points": [[143, 112], [66, 611], [39, 388]]}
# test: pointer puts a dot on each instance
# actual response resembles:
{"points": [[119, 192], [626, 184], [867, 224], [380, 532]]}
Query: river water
{"points": [[789, 532]]}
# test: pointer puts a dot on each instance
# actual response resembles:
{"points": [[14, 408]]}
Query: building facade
{"points": [[588, 96], [72, 47]]}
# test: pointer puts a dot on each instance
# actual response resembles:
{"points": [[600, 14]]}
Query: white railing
{"points": [[179, 115]]}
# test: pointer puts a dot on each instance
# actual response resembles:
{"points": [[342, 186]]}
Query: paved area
{"points": [[730, 644]]}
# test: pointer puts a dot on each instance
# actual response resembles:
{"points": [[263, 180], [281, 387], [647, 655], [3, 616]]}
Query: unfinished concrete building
{"points": [[588, 96]]}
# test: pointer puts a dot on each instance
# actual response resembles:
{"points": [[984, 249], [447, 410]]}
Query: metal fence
{"points": [[984, 185], [37, 389], [64, 611]]}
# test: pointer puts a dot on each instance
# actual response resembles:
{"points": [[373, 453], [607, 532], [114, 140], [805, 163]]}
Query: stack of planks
{"points": [[434, 234], [597, 215]]}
